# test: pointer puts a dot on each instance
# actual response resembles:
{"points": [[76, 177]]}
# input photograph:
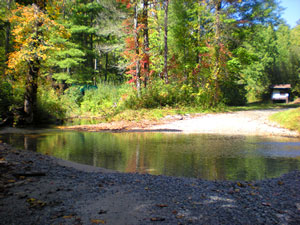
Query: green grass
{"points": [[289, 119], [153, 114]]}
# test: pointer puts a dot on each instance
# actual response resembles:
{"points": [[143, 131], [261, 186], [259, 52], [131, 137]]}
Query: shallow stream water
{"points": [[207, 156]]}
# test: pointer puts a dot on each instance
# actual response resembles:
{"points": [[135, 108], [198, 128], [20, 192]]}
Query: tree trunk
{"points": [[137, 52], [7, 35], [198, 59], [156, 7], [30, 98], [217, 67], [7, 40], [91, 45], [166, 43], [146, 42]]}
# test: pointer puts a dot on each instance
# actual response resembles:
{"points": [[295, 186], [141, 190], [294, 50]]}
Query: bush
{"points": [[71, 99], [102, 100], [156, 95], [234, 94], [159, 94], [49, 106]]}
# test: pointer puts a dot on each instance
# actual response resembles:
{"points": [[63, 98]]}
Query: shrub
{"points": [[234, 94], [49, 106], [104, 100], [159, 94], [71, 99]]}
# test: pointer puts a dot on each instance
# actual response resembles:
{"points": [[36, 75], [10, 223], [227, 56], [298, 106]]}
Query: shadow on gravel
{"points": [[264, 106]]}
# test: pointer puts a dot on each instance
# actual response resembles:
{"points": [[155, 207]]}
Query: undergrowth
{"points": [[113, 102]]}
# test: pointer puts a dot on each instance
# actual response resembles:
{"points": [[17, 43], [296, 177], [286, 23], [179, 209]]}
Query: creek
{"points": [[207, 156]]}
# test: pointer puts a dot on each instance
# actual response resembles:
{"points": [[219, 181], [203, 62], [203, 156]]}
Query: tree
{"points": [[83, 19], [295, 58], [137, 46], [33, 31], [110, 39], [166, 6], [146, 47], [137, 54], [5, 32]]}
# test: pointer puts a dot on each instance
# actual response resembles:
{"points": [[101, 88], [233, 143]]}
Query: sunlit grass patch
{"points": [[289, 119], [158, 113]]}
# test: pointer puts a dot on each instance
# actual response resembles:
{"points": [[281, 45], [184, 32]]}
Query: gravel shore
{"points": [[38, 189]]}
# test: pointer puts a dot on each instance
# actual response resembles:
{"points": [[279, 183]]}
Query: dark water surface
{"points": [[212, 157]]}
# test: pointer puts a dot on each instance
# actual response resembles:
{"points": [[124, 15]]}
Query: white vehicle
{"points": [[280, 92]]}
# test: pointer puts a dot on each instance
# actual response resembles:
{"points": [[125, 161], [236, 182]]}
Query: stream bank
{"points": [[38, 189], [251, 122]]}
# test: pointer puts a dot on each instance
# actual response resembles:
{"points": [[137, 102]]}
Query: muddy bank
{"points": [[37, 189]]}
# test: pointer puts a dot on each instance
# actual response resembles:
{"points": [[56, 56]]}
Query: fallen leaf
{"points": [[280, 182], [157, 219], [162, 205], [31, 200], [240, 184], [68, 217], [237, 190], [98, 221], [35, 203], [266, 203]]}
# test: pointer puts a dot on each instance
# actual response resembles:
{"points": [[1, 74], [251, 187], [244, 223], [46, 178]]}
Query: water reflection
{"points": [[212, 157]]}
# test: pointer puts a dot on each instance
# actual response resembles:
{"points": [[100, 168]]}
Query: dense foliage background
{"points": [[90, 57]]}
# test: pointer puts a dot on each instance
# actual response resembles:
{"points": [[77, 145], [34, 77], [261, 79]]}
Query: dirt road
{"points": [[254, 122]]}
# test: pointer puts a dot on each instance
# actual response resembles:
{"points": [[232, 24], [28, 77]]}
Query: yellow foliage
{"points": [[33, 31]]}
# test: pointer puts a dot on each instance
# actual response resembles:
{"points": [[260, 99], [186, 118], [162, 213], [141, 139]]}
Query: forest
{"points": [[67, 58]]}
